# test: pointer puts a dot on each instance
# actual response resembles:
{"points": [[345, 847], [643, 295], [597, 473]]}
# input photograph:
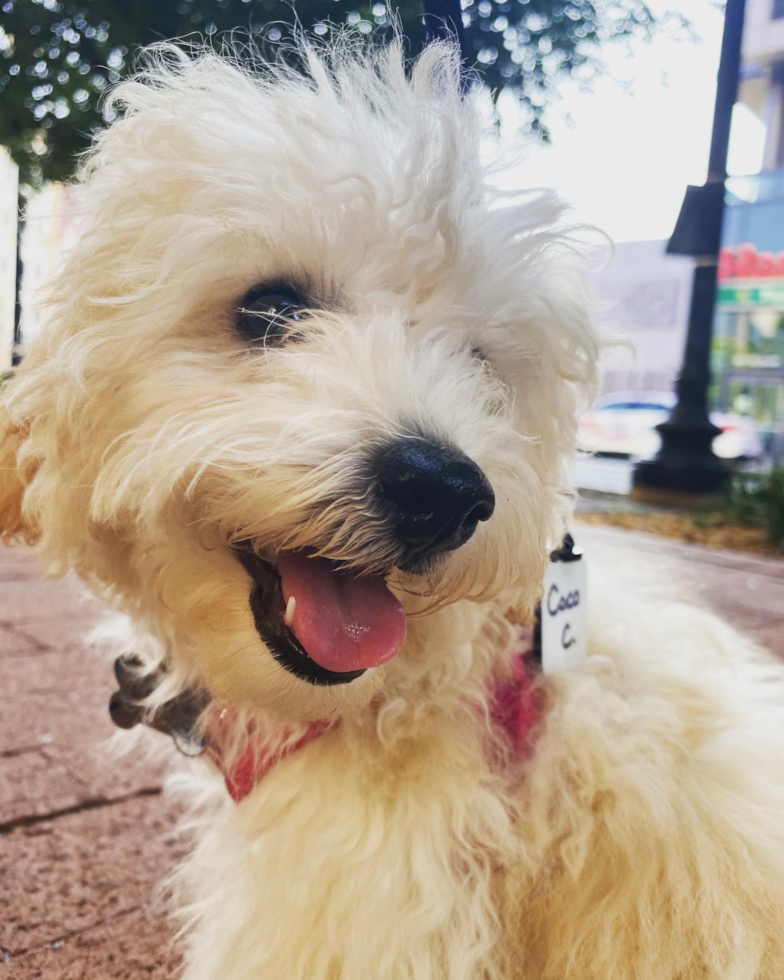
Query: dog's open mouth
{"points": [[322, 624]]}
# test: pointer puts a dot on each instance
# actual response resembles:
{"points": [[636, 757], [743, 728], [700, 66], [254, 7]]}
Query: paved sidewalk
{"points": [[746, 589], [86, 839]]}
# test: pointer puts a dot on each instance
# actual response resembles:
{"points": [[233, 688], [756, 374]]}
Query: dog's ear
{"points": [[12, 526]]}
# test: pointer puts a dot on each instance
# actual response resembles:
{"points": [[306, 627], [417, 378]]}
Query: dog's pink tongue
{"points": [[343, 622]]}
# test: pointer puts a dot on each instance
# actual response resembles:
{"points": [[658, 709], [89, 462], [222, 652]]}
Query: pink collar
{"points": [[516, 705], [515, 711]]}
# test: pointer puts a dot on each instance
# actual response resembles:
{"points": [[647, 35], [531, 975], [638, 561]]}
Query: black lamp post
{"points": [[686, 462]]}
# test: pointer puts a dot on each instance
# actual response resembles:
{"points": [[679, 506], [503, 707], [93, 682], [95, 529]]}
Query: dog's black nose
{"points": [[436, 495]]}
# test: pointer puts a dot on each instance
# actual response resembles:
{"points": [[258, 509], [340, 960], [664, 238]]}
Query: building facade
{"points": [[748, 345], [762, 74], [643, 297]]}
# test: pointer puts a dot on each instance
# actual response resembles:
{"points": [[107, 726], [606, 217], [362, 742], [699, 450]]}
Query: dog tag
{"points": [[564, 613]]}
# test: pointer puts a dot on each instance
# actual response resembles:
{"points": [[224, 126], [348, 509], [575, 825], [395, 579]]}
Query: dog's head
{"points": [[307, 378]]}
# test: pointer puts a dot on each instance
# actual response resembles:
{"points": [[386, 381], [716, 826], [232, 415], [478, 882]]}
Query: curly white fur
{"points": [[143, 438]]}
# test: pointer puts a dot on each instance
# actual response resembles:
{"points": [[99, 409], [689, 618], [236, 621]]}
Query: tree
{"points": [[57, 58]]}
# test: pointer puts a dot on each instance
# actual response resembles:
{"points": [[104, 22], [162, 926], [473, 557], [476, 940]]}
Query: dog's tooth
{"points": [[291, 605]]}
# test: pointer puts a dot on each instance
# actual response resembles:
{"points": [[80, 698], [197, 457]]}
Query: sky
{"points": [[624, 155]]}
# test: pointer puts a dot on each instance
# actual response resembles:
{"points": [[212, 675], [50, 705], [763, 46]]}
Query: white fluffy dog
{"points": [[301, 410]]}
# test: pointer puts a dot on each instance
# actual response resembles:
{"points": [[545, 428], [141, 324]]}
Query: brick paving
{"points": [[86, 839]]}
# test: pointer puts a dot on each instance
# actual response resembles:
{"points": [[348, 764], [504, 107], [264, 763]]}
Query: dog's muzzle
{"points": [[328, 624], [435, 495]]}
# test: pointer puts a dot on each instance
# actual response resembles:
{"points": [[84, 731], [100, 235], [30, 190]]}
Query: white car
{"points": [[623, 424]]}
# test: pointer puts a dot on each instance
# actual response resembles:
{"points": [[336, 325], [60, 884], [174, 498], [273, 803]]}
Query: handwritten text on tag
{"points": [[564, 615]]}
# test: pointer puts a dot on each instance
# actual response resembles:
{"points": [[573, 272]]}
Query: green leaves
{"points": [[757, 500], [58, 58]]}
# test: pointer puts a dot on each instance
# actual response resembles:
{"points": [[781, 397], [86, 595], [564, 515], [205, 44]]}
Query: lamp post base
{"points": [[685, 464]]}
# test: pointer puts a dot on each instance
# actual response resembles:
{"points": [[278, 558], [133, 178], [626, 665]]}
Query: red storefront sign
{"points": [[745, 262]]}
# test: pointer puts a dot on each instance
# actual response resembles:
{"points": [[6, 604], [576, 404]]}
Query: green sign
{"points": [[758, 293]]}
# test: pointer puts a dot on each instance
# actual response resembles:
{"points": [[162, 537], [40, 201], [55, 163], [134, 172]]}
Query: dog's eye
{"points": [[266, 313], [479, 354]]}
